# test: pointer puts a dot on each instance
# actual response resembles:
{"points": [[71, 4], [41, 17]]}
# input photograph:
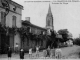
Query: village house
{"points": [[10, 16], [35, 30]]}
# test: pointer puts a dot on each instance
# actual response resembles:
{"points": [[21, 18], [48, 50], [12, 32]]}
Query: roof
{"points": [[32, 25], [16, 4], [25, 22], [37, 26]]}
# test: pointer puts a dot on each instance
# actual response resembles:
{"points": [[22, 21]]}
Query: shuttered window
{"points": [[3, 19], [13, 21]]}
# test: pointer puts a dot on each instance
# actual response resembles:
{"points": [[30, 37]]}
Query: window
{"points": [[48, 22], [3, 19], [13, 21]]}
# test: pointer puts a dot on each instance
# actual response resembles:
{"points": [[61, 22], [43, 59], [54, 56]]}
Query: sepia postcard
{"points": [[39, 29]]}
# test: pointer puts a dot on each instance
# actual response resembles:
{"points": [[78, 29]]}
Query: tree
{"points": [[53, 35], [64, 33], [76, 41], [53, 38], [70, 35]]}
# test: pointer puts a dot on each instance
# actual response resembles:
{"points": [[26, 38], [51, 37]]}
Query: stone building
{"points": [[35, 30], [13, 12]]}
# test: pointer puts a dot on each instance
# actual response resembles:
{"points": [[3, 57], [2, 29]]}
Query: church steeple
{"points": [[49, 10], [49, 19]]}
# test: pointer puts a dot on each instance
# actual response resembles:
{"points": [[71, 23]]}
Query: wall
{"points": [[18, 14], [9, 19], [36, 30], [17, 40]]}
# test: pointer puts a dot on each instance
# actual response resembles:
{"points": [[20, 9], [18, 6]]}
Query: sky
{"points": [[65, 16]]}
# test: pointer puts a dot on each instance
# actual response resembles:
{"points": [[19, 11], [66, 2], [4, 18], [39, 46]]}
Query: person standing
{"points": [[48, 51], [9, 53], [16, 48], [58, 53], [37, 51], [21, 54], [52, 52], [30, 52], [44, 53]]}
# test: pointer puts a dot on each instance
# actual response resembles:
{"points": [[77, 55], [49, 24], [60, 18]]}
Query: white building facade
{"points": [[12, 19]]}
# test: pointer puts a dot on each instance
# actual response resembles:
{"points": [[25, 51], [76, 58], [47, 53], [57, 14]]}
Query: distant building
{"points": [[13, 19]]}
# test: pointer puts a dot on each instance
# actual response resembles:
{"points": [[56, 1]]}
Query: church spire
{"points": [[49, 19], [49, 10]]}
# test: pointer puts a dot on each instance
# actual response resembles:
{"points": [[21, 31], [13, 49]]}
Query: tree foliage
{"points": [[53, 35], [76, 41], [64, 33]]}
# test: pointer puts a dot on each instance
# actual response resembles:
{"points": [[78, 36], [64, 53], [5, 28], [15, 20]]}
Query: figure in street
{"points": [[52, 53], [30, 52], [44, 53], [16, 48], [48, 51], [9, 53], [21, 54], [37, 51], [58, 53]]}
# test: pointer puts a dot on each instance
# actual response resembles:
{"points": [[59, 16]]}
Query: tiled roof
{"points": [[30, 24]]}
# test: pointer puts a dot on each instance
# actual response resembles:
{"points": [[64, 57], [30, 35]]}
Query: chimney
{"points": [[27, 19]]}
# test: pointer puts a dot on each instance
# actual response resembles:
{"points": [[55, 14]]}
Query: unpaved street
{"points": [[67, 52]]}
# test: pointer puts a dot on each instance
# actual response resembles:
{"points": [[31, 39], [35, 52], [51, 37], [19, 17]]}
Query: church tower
{"points": [[49, 20]]}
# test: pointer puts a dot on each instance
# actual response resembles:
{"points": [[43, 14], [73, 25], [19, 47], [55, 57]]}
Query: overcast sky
{"points": [[66, 16]]}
